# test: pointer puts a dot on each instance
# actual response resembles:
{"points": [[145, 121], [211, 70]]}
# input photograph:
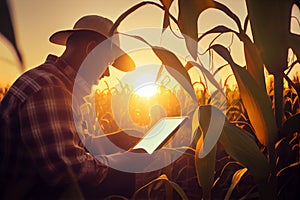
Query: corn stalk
{"points": [[270, 23], [272, 38]]}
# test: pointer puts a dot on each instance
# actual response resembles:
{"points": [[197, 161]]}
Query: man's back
{"points": [[17, 169], [42, 155]]}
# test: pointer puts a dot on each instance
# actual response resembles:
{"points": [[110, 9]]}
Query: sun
{"points": [[148, 90]]}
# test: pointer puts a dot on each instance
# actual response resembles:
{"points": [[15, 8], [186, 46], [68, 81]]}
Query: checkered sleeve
{"points": [[48, 131]]}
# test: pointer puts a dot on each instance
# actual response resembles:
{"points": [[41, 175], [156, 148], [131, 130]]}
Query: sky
{"points": [[35, 21]]}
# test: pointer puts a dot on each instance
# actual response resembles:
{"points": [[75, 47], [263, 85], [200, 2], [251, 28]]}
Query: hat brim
{"points": [[123, 62]]}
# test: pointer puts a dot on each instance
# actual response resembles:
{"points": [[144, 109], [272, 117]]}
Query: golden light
{"points": [[147, 90]]}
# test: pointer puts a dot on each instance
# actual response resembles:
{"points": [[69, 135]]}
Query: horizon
{"points": [[35, 46]]}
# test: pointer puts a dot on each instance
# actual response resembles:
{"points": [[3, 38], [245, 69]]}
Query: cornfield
{"points": [[231, 179], [257, 153], [3, 90]]}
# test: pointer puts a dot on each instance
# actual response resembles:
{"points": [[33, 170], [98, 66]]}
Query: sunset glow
{"points": [[147, 99], [147, 90]]}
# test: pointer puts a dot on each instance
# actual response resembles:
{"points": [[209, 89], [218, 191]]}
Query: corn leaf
{"points": [[255, 65], [205, 168], [235, 180], [7, 29], [166, 22], [211, 123], [208, 75], [224, 29], [243, 148], [159, 73], [270, 24], [173, 66], [166, 4], [176, 69], [253, 59], [224, 172], [255, 99], [164, 178], [189, 12], [218, 29], [128, 12], [205, 155], [229, 13], [294, 43], [285, 169], [195, 121], [134, 8], [291, 125], [239, 144], [289, 175]]}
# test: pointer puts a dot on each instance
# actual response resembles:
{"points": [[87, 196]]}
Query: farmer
{"points": [[42, 156]]}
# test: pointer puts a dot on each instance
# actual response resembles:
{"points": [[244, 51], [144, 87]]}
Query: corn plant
{"points": [[3, 90], [257, 154]]}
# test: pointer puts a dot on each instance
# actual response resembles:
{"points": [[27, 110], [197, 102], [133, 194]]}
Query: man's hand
{"points": [[111, 143], [125, 139], [137, 151]]}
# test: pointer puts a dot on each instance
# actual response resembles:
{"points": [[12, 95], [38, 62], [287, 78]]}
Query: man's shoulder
{"points": [[34, 80]]}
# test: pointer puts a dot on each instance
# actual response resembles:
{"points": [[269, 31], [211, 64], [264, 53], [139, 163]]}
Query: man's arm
{"points": [[48, 131], [111, 143]]}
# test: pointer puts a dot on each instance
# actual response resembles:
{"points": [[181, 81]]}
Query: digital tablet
{"points": [[160, 134]]}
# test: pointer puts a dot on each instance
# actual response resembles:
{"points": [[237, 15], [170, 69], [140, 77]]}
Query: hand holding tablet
{"points": [[159, 134]]}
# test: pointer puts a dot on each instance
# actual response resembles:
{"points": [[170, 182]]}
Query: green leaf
{"points": [[239, 144], [235, 180], [164, 178], [255, 99], [189, 12]]}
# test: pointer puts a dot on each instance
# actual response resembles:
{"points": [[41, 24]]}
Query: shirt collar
{"points": [[69, 71], [63, 66]]}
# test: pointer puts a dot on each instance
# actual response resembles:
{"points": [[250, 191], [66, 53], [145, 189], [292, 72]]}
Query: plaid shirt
{"points": [[41, 153]]}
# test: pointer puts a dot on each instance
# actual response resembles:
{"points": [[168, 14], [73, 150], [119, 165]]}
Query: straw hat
{"points": [[101, 26]]}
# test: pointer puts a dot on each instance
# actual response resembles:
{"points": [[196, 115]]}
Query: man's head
{"points": [[86, 34], [90, 23]]}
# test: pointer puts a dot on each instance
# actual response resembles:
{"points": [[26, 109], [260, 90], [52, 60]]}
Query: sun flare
{"points": [[147, 90]]}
